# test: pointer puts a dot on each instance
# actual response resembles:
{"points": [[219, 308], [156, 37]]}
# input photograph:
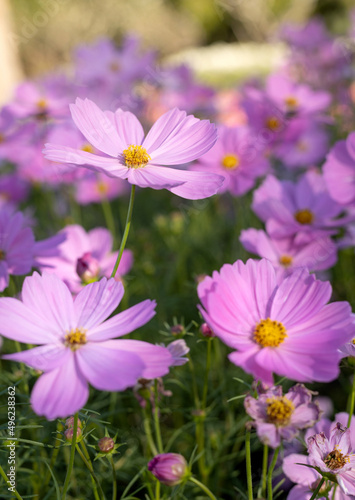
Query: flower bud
{"points": [[106, 444], [69, 423], [177, 330], [87, 268], [69, 433], [206, 330], [169, 468]]}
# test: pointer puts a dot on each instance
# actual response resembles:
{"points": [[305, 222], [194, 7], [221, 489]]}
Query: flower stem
{"points": [[126, 230], [270, 471], [156, 418], [264, 471], [352, 402], [157, 491], [95, 482], [114, 483], [203, 488], [5, 478], [72, 455], [148, 432], [316, 491], [208, 366], [248, 465]]}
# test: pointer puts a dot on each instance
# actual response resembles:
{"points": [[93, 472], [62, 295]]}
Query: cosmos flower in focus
{"points": [[174, 139]]}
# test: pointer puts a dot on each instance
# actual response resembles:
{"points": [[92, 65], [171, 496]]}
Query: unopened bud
{"points": [[106, 444], [87, 268], [69, 433], [176, 329], [206, 330], [70, 423], [169, 468]]}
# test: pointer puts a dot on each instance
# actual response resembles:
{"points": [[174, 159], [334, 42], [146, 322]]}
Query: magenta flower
{"points": [[303, 207], [335, 455], [283, 327], [280, 417], [286, 255], [339, 171], [174, 139], [76, 343], [236, 157], [85, 257], [306, 478], [169, 468]]}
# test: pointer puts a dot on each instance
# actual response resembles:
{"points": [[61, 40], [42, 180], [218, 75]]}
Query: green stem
{"points": [[23, 369], [109, 219], [352, 402], [316, 491], [270, 471], [157, 491], [248, 465], [148, 432], [207, 371], [94, 479], [156, 418], [203, 488], [264, 471], [6, 479], [114, 483], [126, 230], [72, 455], [56, 449], [334, 491]]}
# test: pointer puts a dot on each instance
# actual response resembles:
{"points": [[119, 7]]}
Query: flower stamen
{"points": [[135, 156], [304, 216], [230, 162], [75, 338], [279, 410], [335, 459], [269, 333]]}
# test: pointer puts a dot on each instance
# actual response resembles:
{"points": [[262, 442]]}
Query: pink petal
{"points": [[157, 359], [109, 369], [50, 298], [124, 322], [45, 358], [96, 301], [97, 128], [128, 127], [60, 392]]}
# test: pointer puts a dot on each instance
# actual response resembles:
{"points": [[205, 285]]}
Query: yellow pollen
{"points": [[102, 187], [136, 156], [230, 162], [42, 104], [291, 102], [304, 216], [87, 147], [269, 333], [2, 255], [285, 260], [302, 146], [114, 66], [353, 341], [335, 459], [279, 410], [75, 338], [273, 123]]}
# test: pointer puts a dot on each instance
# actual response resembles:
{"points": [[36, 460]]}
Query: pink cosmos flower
{"points": [[335, 454], [281, 417], [174, 139], [85, 257], [304, 207], [284, 327], [77, 345], [339, 171], [93, 188], [236, 157], [286, 254]]}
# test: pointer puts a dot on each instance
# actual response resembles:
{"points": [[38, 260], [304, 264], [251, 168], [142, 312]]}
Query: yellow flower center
{"points": [[273, 123], [2, 255], [102, 187], [285, 260], [279, 410], [335, 459], [42, 104], [87, 147], [304, 216], [291, 102], [114, 66], [302, 146], [269, 333], [230, 162], [75, 338], [136, 156]]}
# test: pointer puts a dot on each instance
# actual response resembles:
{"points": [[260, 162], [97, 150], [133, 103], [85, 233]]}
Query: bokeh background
{"points": [[38, 35]]}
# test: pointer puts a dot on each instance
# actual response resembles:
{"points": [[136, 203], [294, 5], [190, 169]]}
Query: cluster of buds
{"points": [[69, 429]]}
